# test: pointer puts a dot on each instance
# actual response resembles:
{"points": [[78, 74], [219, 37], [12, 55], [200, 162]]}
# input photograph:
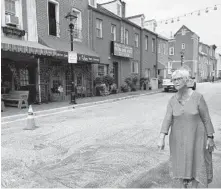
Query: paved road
{"points": [[109, 145]]}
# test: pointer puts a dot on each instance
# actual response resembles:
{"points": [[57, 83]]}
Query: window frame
{"points": [[134, 67], [57, 19], [172, 51], [101, 66], [119, 8], [153, 45], [183, 46], [23, 79], [126, 36], [10, 12], [159, 48], [146, 42], [136, 40], [114, 32], [100, 28]]}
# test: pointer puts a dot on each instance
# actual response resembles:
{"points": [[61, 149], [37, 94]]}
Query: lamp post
{"points": [[72, 17], [182, 58]]}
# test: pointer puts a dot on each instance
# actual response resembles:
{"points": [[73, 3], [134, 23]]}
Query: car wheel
{"points": [[166, 90]]}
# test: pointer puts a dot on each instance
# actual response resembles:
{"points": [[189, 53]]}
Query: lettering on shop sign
{"points": [[119, 49], [13, 31], [88, 58]]}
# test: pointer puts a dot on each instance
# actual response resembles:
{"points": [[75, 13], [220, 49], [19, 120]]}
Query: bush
{"points": [[113, 88], [98, 81], [108, 80], [100, 89]]}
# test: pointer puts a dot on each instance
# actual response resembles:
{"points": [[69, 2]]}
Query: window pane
{"points": [[52, 19], [10, 6]]}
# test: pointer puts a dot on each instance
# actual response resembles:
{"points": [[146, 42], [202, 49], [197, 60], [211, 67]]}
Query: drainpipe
{"points": [[141, 53], [156, 71], [39, 80]]}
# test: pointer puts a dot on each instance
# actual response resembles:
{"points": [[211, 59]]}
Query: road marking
{"points": [[80, 106]]}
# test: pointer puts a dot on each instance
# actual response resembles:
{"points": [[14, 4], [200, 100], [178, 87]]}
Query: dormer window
{"points": [[92, 3], [119, 9]]}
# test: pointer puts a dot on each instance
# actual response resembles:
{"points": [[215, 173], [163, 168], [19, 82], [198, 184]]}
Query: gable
{"points": [[183, 31]]}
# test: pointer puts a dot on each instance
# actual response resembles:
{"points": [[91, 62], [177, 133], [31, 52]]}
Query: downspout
{"points": [[39, 81], [141, 53], [156, 71]]}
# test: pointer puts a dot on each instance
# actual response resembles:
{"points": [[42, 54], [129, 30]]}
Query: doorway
{"points": [[115, 72]]}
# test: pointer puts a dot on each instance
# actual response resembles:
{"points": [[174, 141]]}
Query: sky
{"points": [[207, 26]]}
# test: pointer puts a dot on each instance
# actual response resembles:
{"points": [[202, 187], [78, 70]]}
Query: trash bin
{"points": [[154, 83]]}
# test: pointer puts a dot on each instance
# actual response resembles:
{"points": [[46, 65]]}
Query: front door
{"points": [[115, 72]]}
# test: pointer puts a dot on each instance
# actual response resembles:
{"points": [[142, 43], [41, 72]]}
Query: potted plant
{"points": [[113, 88], [124, 88]]}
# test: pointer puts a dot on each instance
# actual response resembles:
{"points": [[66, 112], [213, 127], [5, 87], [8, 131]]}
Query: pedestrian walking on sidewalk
{"points": [[191, 134]]}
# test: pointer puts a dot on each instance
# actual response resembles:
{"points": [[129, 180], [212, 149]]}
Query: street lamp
{"points": [[72, 17], [182, 58]]}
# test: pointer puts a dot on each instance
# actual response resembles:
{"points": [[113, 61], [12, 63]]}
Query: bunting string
{"points": [[178, 18]]}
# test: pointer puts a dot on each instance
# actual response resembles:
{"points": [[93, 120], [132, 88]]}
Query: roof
{"points": [[135, 16], [104, 11], [162, 37], [108, 2], [186, 28]]}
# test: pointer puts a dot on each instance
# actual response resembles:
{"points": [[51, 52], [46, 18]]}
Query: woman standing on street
{"points": [[191, 135]]}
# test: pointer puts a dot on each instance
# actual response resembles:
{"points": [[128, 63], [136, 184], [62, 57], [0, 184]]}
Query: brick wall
{"points": [[148, 57], [64, 8], [103, 45]]}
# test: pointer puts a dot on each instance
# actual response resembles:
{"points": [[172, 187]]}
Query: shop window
{"points": [[99, 25], [23, 77], [53, 17], [113, 32], [134, 67], [79, 80], [126, 37], [101, 71]]}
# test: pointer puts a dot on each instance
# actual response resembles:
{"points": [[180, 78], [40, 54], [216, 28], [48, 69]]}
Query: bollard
{"points": [[30, 120]]}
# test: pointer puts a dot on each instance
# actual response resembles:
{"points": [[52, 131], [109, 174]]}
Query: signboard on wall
{"points": [[119, 49]]}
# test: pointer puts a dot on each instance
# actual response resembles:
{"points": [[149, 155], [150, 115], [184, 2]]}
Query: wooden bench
{"points": [[16, 98]]}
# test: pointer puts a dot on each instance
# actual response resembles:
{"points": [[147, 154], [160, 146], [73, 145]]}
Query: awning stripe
{"points": [[27, 49]]}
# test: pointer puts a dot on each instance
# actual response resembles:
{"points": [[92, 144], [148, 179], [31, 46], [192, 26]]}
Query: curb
{"points": [[42, 113]]}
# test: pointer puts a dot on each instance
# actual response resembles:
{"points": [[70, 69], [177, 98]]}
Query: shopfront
{"points": [[59, 74], [20, 66]]}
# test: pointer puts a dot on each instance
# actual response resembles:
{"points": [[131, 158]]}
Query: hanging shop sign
{"points": [[13, 31], [119, 49], [88, 58], [72, 57]]}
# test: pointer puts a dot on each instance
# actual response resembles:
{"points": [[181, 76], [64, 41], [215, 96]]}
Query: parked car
{"points": [[168, 84]]}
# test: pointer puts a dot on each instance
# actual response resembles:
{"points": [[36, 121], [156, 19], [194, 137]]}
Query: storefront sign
{"points": [[88, 58], [13, 31], [72, 57], [123, 50]]}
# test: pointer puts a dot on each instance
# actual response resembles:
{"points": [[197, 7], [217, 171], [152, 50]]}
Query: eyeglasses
{"points": [[177, 79]]}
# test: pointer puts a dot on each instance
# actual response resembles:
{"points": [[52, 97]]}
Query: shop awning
{"points": [[28, 47], [84, 53]]}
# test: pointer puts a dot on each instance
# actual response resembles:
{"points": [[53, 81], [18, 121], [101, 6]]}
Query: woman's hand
{"points": [[210, 145], [161, 142]]}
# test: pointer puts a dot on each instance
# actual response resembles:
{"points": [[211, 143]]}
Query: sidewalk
{"points": [[12, 111]]}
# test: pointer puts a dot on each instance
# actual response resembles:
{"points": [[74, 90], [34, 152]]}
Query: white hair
{"points": [[183, 71]]}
